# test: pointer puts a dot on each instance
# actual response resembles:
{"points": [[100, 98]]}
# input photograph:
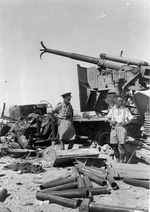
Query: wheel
{"points": [[97, 135], [4, 130], [104, 138]]}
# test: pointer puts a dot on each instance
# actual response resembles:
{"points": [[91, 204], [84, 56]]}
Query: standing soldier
{"points": [[64, 113], [119, 117]]}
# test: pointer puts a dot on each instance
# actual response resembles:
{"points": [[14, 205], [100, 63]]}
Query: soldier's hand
{"points": [[123, 123], [113, 122]]}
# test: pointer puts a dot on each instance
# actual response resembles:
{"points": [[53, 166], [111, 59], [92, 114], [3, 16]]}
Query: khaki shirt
{"points": [[64, 111], [119, 115], [66, 129]]}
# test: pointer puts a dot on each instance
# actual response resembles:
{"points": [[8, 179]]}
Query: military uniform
{"points": [[66, 129], [64, 112]]}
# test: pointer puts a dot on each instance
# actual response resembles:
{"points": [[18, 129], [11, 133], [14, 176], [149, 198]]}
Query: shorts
{"points": [[118, 135], [66, 130]]}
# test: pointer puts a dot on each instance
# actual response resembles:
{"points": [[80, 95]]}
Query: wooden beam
{"points": [[123, 170]]}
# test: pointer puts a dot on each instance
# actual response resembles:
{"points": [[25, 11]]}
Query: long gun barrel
{"points": [[105, 60], [84, 58], [123, 60], [74, 56]]}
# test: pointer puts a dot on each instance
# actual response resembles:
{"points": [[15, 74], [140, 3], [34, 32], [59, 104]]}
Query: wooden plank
{"points": [[20, 150], [63, 157], [137, 171], [68, 160], [91, 161], [77, 152]]}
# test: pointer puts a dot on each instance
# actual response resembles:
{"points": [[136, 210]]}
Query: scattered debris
{"points": [[3, 193], [25, 167], [135, 182]]}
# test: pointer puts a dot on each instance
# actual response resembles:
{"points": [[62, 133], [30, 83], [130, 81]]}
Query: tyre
{"points": [[4, 130], [103, 138]]}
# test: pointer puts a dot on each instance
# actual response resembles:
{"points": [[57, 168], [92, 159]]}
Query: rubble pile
{"points": [[92, 182], [36, 175]]}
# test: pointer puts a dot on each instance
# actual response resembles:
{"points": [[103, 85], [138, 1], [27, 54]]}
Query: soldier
{"points": [[64, 113], [119, 117]]}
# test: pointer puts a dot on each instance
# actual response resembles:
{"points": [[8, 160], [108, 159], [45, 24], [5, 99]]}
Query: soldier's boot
{"points": [[61, 145], [71, 143], [117, 157], [122, 157], [116, 152]]}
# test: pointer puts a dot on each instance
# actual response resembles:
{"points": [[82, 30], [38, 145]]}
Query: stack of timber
{"points": [[64, 157], [123, 170]]}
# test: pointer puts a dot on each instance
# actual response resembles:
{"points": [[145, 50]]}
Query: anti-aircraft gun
{"points": [[98, 85], [113, 75]]}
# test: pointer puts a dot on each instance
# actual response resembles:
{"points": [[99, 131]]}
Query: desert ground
{"points": [[22, 188]]}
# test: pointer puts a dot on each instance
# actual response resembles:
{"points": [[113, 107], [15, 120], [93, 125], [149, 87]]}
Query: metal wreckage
{"points": [[29, 127]]}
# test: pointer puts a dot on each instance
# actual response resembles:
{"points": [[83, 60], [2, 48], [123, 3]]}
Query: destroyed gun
{"points": [[114, 75], [126, 73]]}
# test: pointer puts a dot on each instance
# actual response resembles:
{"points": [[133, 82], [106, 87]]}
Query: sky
{"points": [[77, 26]]}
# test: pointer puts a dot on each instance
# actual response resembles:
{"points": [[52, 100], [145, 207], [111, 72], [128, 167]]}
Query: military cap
{"points": [[66, 95]]}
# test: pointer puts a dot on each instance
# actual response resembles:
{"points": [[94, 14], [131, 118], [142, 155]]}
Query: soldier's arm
{"points": [[109, 117], [128, 117]]}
